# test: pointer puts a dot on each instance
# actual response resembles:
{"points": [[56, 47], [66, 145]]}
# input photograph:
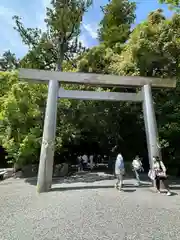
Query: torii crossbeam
{"points": [[54, 78]]}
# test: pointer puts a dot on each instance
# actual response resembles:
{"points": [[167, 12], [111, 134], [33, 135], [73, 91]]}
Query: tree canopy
{"points": [[173, 4], [115, 26], [151, 48]]}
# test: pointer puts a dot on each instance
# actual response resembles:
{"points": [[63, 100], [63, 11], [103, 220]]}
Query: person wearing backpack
{"points": [[119, 171], [137, 168]]}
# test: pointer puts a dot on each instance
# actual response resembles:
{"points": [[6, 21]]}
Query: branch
{"points": [[67, 58], [73, 27], [27, 37]]}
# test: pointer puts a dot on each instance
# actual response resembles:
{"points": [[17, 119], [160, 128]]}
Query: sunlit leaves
{"points": [[60, 40], [173, 4], [116, 23]]}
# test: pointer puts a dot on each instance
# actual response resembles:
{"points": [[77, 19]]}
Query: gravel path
{"points": [[87, 211]]}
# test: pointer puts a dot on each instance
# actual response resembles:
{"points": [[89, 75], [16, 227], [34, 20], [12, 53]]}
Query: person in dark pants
{"points": [[160, 174]]}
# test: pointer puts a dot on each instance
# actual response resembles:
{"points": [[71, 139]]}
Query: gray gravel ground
{"points": [[87, 211]]}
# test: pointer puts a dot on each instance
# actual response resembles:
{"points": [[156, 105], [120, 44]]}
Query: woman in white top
{"points": [[84, 161], [91, 163], [160, 174], [137, 167]]}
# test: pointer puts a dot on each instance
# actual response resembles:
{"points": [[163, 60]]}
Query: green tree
{"points": [[95, 60], [115, 26], [23, 105], [8, 61], [60, 41], [173, 4], [153, 50], [20, 126]]}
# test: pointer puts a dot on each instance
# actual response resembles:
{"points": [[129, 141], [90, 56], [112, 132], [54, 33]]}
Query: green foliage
{"points": [[96, 60], [21, 119], [8, 61], [116, 23], [60, 40], [7, 79], [153, 48], [173, 4]]}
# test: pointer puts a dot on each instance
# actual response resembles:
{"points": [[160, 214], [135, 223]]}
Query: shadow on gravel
{"points": [[86, 177], [174, 187], [144, 185], [164, 193], [173, 194], [174, 184], [91, 177], [55, 189], [129, 190]]}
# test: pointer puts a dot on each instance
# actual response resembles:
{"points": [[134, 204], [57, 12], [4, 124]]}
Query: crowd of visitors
{"points": [[157, 173]]}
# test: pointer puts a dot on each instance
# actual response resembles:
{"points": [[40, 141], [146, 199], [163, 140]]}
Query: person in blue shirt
{"points": [[119, 171]]}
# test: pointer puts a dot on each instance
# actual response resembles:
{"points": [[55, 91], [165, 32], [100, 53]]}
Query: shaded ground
{"points": [[87, 207], [86, 177]]}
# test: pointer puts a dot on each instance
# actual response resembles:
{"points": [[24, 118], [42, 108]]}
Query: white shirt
{"points": [[85, 158], [157, 166], [91, 157], [136, 164]]}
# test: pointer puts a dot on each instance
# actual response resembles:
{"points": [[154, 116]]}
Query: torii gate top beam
{"points": [[44, 76]]}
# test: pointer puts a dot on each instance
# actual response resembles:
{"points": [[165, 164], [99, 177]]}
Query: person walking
{"points": [[80, 165], [91, 163], [119, 171], [85, 161], [112, 159], [160, 174], [137, 168]]}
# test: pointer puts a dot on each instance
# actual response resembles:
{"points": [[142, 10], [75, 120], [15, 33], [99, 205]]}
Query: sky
{"points": [[33, 13]]}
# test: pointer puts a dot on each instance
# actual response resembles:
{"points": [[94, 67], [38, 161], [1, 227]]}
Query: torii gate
{"points": [[55, 78]]}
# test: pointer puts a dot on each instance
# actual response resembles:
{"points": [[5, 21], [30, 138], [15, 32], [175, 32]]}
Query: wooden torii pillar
{"points": [[53, 78]]}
